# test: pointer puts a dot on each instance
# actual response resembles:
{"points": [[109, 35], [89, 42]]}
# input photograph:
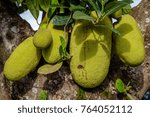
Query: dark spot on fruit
{"points": [[80, 67]]}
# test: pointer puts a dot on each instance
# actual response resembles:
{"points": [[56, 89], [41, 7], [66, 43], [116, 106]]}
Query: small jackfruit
{"points": [[42, 38], [117, 14], [90, 48], [129, 45], [22, 61], [51, 54]]}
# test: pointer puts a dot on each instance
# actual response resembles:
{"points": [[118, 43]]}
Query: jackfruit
{"points": [[42, 38], [129, 45], [22, 61], [90, 48], [51, 54], [117, 14]]}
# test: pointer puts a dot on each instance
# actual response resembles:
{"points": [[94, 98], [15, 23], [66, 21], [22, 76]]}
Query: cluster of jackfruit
{"points": [[27, 55], [90, 49]]}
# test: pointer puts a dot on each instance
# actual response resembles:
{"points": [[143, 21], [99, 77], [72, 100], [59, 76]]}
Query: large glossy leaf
{"points": [[48, 69], [81, 15], [93, 4], [76, 7], [61, 20], [33, 6], [44, 4], [52, 8], [113, 7]]}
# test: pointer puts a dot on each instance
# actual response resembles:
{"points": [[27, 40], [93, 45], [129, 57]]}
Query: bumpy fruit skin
{"points": [[129, 45], [51, 54], [22, 61], [90, 48], [42, 38]]}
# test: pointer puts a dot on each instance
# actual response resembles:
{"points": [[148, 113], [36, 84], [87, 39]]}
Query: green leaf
{"points": [[43, 95], [81, 15], [62, 52], [81, 94], [62, 49], [19, 1], [103, 1], [75, 8], [127, 9], [54, 2], [44, 4], [120, 85], [128, 1], [111, 28], [33, 6], [61, 20], [52, 8], [113, 7], [63, 42], [93, 4], [48, 69]]}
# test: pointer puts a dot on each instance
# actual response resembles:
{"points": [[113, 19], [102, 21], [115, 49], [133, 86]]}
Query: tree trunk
{"points": [[142, 14], [13, 30]]}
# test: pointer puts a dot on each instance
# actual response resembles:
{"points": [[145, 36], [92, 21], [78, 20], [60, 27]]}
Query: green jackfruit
{"points": [[117, 14], [129, 45], [51, 54], [22, 61], [90, 48], [42, 38]]}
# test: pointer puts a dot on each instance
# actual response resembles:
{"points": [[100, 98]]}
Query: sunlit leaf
{"points": [[81, 15], [76, 7], [120, 85], [62, 49], [113, 7], [61, 20], [63, 42], [44, 4], [48, 69], [43, 95], [52, 8], [33, 6]]}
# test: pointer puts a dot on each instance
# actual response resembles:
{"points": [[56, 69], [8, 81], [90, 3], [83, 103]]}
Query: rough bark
{"points": [[142, 14], [13, 30]]}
